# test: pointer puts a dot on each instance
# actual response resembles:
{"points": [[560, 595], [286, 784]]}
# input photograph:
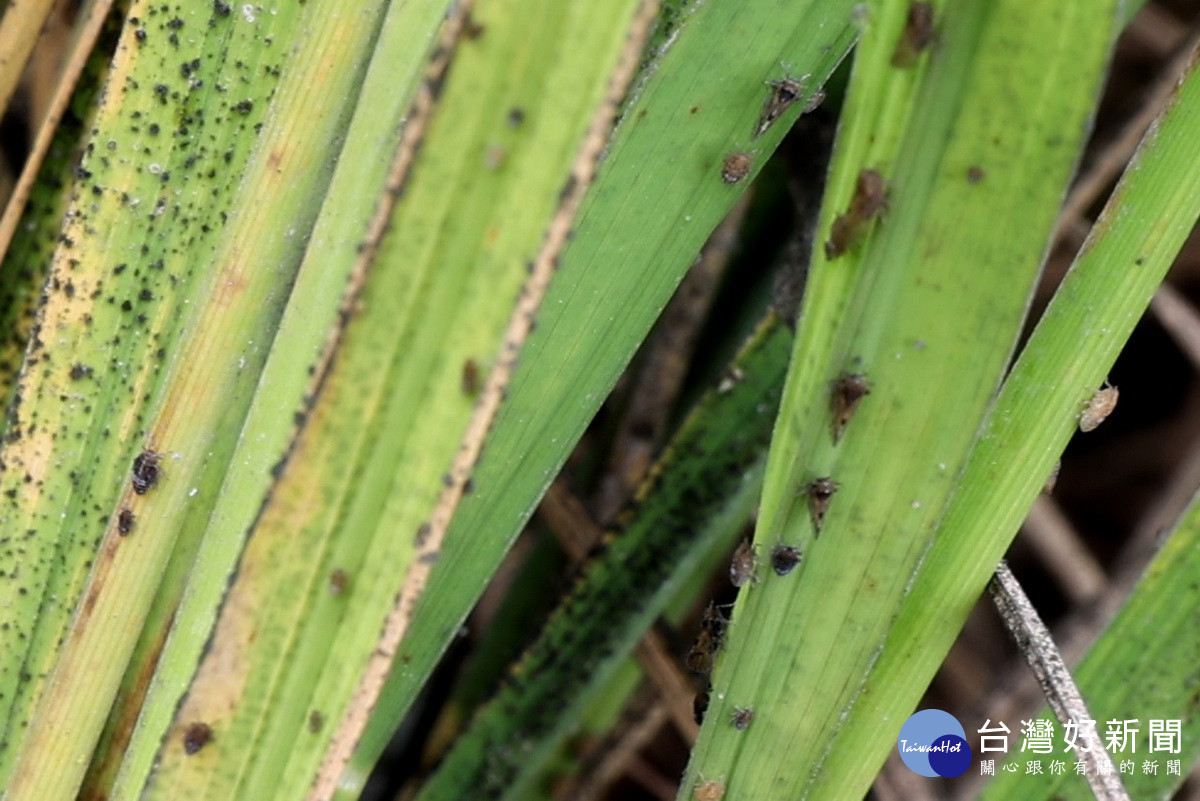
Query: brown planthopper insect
{"points": [[338, 581], [743, 568], [785, 558], [917, 36], [869, 202], [820, 492], [708, 641], [741, 717], [735, 167], [125, 522], [848, 391], [870, 196], [784, 93], [708, 790], [1099, 407], [145, 471], [196, 736]]}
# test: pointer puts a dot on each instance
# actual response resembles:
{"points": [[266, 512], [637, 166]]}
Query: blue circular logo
{"points": [[933, 743]]}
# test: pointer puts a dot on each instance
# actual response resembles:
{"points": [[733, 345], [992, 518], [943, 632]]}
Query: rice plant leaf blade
{"points": [[1136, 239], [925, 302], [170, 274], [303, 613], [657, 195], [697, 494]]}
